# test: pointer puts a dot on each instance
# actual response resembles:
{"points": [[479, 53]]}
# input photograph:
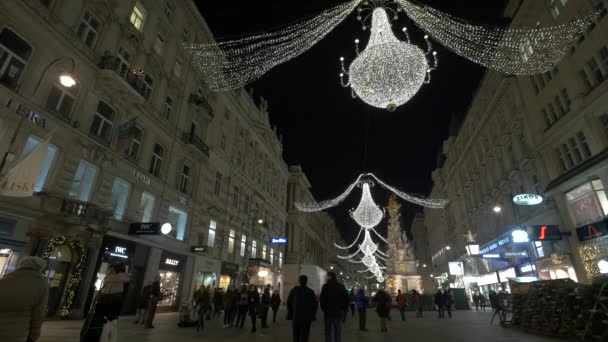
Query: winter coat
{"points": [[361, 300], [302, 305], [383, 301], [334, 299], [265, 300], [203, 299], [439, 299], [229, 299], [156, 290], [243, 299], [23, 301], [416, 299], [401, 301], [254, 302], [275, 301]]}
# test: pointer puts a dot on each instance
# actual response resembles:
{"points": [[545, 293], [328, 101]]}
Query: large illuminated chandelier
{"points": [[389, 72]]}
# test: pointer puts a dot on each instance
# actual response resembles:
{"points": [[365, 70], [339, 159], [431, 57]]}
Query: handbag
{"points": [[109, 333]]}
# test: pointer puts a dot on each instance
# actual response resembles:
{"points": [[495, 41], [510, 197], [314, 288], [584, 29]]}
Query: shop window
{"points": [[119, 197], [540, 252], [254, 249], [243, 245], [83, 181], [280, 260], [61, 100], [157, 158], [47, 163], [88, 29], [146, 206], [159, 44], [179, 220], [224, 282], [169, 282], [588, 203], [14, 55], [231, 236], [272, 256], [211, 236], [264, 252], [138, 16], [102, 121], [218, 184]]}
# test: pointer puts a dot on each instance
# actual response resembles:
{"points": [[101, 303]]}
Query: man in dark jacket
{"points": [[440, 302], [155, 297], [361, 302], [301, 310], [334, 303]]}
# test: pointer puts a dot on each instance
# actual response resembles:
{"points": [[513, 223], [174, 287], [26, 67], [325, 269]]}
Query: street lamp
{"points": [[65, 78], [497, 209], [166, 228]]}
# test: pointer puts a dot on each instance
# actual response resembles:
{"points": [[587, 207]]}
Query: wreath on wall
{"points": [[76, 275]]}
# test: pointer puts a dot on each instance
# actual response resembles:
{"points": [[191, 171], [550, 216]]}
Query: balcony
{"points": [[136, 82], [197, 142], [201, 103], [74, 211]]}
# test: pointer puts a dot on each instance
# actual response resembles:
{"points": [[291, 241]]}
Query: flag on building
{"points": [[21, 179]]}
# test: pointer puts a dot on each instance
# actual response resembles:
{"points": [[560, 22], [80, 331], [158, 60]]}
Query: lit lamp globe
{"points": [[166, 228], [263, 274], [67, 80]]}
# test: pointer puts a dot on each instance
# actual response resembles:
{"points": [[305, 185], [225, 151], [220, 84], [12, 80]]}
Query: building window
{"points": [[184, 179], [138, 16], [135, 144], [223, 142], [595, 70], [246, 203], [177, 68], [271, 256], [88, 29], [565, 100], [583, 142], [146, 206], [168, 108], [147, 86], [280, 260], [124, 64], [576, 151], [102, 121], [211, 236], [157, 158], [235, 197], [61, 100], [83, 181], [31, 143], [119, 197], [168, 9], [264, 252], [555, 6], [185, 36], [218, 184], [231, 235], [588, 203], [227, 114], [254, 249], [604, 120], [14, 55], [179, 219], [538, 245], [159, 44], [243, 245]]}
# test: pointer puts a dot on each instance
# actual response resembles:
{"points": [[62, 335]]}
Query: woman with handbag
{"points": [[102, 322]]}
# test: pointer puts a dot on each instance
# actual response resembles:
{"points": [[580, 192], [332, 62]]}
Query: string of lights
{"points": [[320, 206], [424, 202]]}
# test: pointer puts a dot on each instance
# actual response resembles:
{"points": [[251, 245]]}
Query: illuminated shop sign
{"points": [[527, 268], [278, 241], [504, 275], [544, 233], [592, 231], [491, 256], [198, 249], [119, 252], [527, 199], [495, 244], [487, 279], [520, 236], [141, 228], [171, 262], [515, 255]]}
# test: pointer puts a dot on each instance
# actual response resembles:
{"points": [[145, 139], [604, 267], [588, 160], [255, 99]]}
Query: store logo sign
{"points": [[592, 231], [520, 236], [278, 241], [528, 199], [544, 233], [120, 250], [491, 256], [172, 262], [527, 268]]}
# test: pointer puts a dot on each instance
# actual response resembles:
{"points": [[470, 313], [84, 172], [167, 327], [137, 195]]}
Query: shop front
{"points": [[594, 248], [557, 266], [229, 274], [207, 272], [170, 271], [260, 273], [12, 244]]}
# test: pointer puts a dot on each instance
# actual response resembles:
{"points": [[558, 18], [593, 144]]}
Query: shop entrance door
{"points": [[169, 286], [60, 264]]}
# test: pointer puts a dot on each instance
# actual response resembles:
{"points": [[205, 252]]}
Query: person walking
{"points": [[275, 303], [361, 303], [265, 307], [448, 301], [254, 302], [476, 301], [401, 303], [202, 299], [108, 303], [23, 299], [383, 301], [218, 302], [229, 307], [353, 299], [439, 303], [482, 301], [495, 305], [155, 297], [302, 308], [334, 303], [142, 304], [417, 302], [243, 307]]}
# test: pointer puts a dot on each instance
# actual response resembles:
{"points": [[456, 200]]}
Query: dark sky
{"points": [[324, 128]]}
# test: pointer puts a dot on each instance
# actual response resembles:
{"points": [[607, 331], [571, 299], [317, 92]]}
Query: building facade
{"points": [[139, 141], [542, 135]]}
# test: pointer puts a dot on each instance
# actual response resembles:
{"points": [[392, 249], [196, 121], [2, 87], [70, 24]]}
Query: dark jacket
{"points": [[383, 302], [302, 305], [144, 297], [266, 300], [156, 290], [334, 299], [361, 300], [275, 301], [254, 301], [439, 299]]}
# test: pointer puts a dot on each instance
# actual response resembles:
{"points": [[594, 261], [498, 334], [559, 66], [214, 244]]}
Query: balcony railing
{"points": [[202, 103], [197, 142], [135, 81]]}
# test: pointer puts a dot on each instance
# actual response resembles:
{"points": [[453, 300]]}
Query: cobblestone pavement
{"points": [[469, 326]]}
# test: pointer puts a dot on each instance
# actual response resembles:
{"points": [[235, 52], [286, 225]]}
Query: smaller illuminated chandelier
{"points": [[389, 72], [367, 214]]}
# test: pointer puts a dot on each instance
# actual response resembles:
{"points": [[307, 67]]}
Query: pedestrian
{"points": [[334, 303], [218, 301], [448, 301], [417, 302], [265, 306], [23, 300], [254, 302], [353, 299], [402, 303], [155, 297], [439, 303], [495, 305], [383, 301], [108, 303], [275, 303], [482, 301], [476, 301], [202, 299], [388, 306], [243, 307], [229, 307], [301, 310], [142, 304], [361, 302]]}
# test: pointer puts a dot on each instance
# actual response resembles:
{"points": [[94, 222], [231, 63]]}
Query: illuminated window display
{"points": [[169, 286]]}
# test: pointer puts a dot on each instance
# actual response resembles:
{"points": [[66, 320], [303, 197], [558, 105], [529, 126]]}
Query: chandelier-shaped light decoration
{"points": [[389, 72], [368, 247], [367, 214], [380, 279]]}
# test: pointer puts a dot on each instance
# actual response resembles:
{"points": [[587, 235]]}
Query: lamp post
{"points": [[65, 78]]}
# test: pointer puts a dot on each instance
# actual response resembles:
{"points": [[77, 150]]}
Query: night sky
{"points": [[324, 129]]}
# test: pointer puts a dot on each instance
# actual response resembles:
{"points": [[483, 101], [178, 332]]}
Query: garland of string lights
{"points": [[389, 71]]}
